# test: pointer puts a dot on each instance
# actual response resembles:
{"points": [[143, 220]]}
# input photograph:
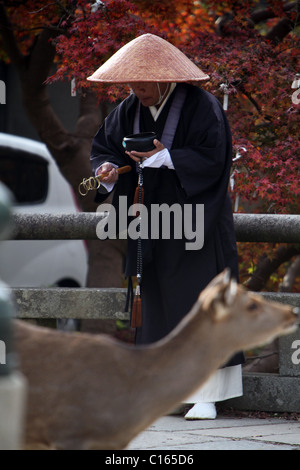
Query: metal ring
{"points": [[79, 188], [89, 184], [97, 178]]}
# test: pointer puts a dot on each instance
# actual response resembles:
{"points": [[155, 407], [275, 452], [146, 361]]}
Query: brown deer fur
{"points": [[93, 392]]}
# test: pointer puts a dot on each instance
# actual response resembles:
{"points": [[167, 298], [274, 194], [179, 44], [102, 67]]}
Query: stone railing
{"points": [[267, 392], [82, 226]]}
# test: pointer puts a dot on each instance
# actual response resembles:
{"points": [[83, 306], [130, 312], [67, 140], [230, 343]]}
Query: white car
{"points": [[29, 171]]}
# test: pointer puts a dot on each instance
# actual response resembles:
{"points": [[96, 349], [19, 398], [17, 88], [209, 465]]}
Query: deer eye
{"points": [[253, 306]]}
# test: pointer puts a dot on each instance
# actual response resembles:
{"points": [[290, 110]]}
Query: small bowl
{"points": [[142, 142]]}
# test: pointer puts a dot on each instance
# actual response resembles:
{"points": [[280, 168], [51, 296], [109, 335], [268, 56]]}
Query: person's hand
{"points": [[112, 174], [138, 156]]}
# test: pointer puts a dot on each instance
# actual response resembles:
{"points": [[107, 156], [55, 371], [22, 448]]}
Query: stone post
{"points": [[12, 383]]}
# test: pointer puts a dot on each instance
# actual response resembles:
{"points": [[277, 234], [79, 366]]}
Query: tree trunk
{"points": [[70, 150]]}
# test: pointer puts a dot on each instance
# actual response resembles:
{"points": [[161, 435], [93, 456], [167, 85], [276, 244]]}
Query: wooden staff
{"points": [[94, 182]]}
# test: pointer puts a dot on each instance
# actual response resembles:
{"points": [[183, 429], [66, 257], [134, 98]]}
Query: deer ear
{"points": [[218, 293], [222, 280], [230, 293], [225, 299], [227, 286]]}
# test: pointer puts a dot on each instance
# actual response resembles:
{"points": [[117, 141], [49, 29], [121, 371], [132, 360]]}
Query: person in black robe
{"points": [[193, 171]]}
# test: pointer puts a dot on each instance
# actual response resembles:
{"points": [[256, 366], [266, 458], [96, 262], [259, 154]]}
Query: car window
{"points": [[25, 174]]}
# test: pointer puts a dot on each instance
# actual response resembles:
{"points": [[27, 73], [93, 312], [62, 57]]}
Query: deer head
{"points": [[245, 315]]}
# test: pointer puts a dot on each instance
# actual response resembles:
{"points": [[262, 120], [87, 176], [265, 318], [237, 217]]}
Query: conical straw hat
{"points": [[148, 58]]}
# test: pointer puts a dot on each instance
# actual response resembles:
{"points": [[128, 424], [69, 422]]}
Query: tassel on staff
{"points": [[136, 312], [138, 198], [139, 194]]}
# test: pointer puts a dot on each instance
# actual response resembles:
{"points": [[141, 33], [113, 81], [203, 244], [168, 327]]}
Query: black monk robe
{"points": [[201, 152]]}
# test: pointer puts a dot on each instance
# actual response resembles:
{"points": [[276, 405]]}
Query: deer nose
{"points": [[296, 311]]}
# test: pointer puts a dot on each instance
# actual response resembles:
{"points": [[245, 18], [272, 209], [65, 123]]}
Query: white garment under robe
{"points": [[224, 384]]}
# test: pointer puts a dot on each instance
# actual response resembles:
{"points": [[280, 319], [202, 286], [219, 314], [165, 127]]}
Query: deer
{"points": [[92, 391]]}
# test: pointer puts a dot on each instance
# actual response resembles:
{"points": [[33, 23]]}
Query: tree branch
{"points": [[41, 58], [266, 266], [264, 14], [284, 25], [280, 30]]}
